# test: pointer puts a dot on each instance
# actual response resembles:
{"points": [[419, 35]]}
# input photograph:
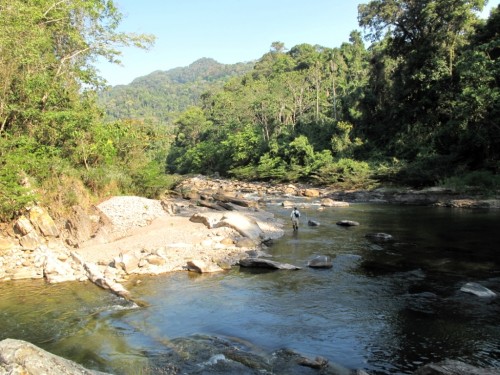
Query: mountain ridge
{"points": [[161, 94]]}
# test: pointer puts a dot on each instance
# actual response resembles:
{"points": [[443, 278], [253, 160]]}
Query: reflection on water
{"points": [[385, 307]]}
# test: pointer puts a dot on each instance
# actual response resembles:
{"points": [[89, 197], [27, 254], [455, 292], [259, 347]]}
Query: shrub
{"points": [[347, 174], [473, 182]]}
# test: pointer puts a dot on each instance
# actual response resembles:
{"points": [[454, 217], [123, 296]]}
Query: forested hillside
{"points": [[414, 101], [419, 107], [162, 95]]}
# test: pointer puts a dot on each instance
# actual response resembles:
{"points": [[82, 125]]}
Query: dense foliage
{"points": [[160, 96], [54, 145], [419, 106]]}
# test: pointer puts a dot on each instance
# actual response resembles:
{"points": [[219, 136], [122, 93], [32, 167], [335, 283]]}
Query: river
{"points": [[387, 308]]}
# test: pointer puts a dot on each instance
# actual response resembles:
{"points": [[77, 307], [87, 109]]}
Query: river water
{"points": [[387, 308]]}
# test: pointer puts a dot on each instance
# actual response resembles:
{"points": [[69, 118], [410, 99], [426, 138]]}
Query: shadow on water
{"points": [[387, 307]]}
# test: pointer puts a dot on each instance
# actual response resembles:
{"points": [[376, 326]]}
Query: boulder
{"points": [[313, 223], [156, 260], [311, 193], [266, 263], [245, 242], [98, 278], [210, 221], [42, 220], [80, 226], [235, 200], [30, 241], [23, 226], [127, 262], [21, 357], [202, 266], [328, 202], [347, 223], [478, 290], [320, 261], [56, 271], [244, 225]]}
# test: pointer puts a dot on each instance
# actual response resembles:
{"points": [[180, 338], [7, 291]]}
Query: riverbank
{"points": [[134, 234], [130, 235]]}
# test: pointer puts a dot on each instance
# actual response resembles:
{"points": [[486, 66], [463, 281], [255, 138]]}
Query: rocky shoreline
{"points": [[206, 225], [195, 228]]}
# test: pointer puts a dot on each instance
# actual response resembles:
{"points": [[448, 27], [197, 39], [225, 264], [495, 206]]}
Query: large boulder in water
{"points": [[21, 357], [320, 261]]}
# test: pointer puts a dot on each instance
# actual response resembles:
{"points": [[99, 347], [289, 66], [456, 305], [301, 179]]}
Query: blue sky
{"points": [[228, 31]]}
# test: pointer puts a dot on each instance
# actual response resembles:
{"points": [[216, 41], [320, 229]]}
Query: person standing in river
{"points": [[295, 215]]}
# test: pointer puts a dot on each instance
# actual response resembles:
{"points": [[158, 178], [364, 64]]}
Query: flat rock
{"points": [[347, 223], [266, 263], [21, 357], [320, 261]]}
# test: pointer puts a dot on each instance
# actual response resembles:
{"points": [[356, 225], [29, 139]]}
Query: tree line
{"points": [[418, 106]]}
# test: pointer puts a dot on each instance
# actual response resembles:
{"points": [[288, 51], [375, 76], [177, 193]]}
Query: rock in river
{"points": [[320, 261], [266, 263], [478, 290]]}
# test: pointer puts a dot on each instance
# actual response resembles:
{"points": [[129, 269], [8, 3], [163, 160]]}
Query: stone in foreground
{"points": [[20, 357]]}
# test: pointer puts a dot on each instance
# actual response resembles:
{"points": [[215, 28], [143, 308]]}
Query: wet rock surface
{"points": [[20, 357]]}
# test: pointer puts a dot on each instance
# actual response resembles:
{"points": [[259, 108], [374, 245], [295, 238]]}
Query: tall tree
{"points": [[423, 38], [47, 51]]}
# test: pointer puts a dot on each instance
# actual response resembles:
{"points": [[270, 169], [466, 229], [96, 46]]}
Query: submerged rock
{"points": [[450, 367], [266, 263], [379, 237], [320, 261], [347, 223], [478, 290]]}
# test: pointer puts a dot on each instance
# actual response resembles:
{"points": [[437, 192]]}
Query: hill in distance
{"points": [[161, 95]]}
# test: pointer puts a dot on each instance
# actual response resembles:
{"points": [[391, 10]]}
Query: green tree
{"points": [[50, 124], [424, 37]]}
